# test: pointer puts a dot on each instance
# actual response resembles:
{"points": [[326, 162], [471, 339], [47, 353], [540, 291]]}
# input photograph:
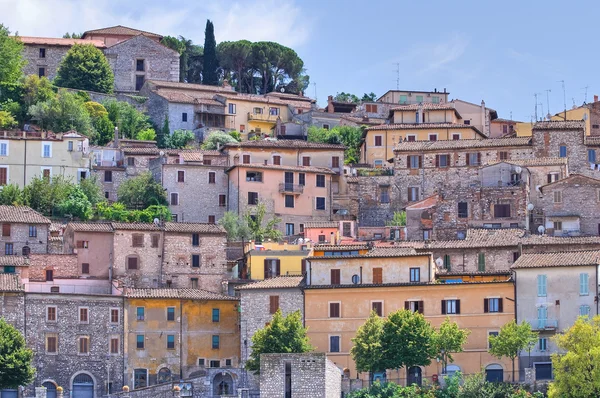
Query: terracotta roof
{"points": [[558, 259], [423, 126], [425, 203], [425, 105], [190, 86], [186, 294], [10, 283], [50, 41], [141, 151], [295, 97], [352, 180], [292, 144], [321, 224], [186, 97], [433, 284], [90, 226], [56, 227], [559, 125], [21, 214], [197, 156], [309, 169], [533, 162], [194, 227], [327, 247], [55, 239], [16, 261], [280, 282], [136, 226], [472, 273], [413, 146], [534, 240], [500, 120], [263, 99], [378, 252], [120, 30], [476, 237], [372, 121], [571, 179]]}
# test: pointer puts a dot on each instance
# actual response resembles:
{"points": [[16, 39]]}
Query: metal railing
{"points": [[545, 324], [291, 188], [263, 117]]}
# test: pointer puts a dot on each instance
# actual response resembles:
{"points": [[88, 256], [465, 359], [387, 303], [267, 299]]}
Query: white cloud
{"points": [[281, 21]]}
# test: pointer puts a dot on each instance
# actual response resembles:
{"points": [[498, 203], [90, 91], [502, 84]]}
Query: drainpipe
{"points": [[181, 339], [24, 164]]}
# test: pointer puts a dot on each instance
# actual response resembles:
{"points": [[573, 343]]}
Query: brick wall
{"points": [[64, 266], [12, 309]]}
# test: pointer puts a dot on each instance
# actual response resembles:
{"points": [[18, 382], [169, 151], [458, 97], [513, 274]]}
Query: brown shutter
{"points": [[3, 179], [549, 178], [500, 306], [408, 195], [273, 304], [377, 275], [407, 305], [408, 162], [420, 307], [420, 161], [266, 275], [443, 307], [486, 306], [468, 159], [437, 160], [5, 229], [277, 267], [458, 306], [303, 266], [479, 158]]}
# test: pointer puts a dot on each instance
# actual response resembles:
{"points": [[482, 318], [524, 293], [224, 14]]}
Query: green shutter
{"points": [[481, 264], [447, 264], [583, 284]]}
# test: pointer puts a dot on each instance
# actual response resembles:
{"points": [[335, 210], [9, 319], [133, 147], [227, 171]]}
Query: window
{"points": [[584, 310], [378, 140], [481, 262], [46, 150], [215, 342], [106, 195], [415, 274], [592, 155], [140, 313], [51, 343], [114, 345], [334, 343], [254, 176], [132, 263], [413, 194], [326, 126], [516, 256], [432, 137], [371, 108], [467, 122], [9, 269], [584, 285], [503, 155], [252, 198], [335, 162], [450, 306], [557, 225], [378, 275], [140, 378], [195, 239], [377, 306], [180, 176], [246, 159], [139, 65], [174, 199], [194, 283], [222, 200], [492, 305], [215, 364], [216, 315], [541, 285], [170, 342], [55, 289], [320, 181], [411, 138], [85, 268], [289, 229], [320, 203], [447, 262], [131, 161], [334, 310], [50, 314], [306, 161], [3, 175], [273, 304], [335, 276], [501, 210], [384, 194], [211, 177], [196, 260], [473, 159], [557, 196], [562, 151], [84, 345], [543, 343], [32, 231], [154, 240], [46, 173], [211, 219], [137, 240], [442, 161], [257, 111], [403, 99], [463, 210], [232, 109], [184, 116], [41, 72], [49, 275], [171, 314], [139, 82], [455, 137], [8, 249], [108, 176], [274, 111], [4, 149], [42, 53], [494, 333], [139, 341], [5, 229], [415, 162], [427, 234], [83, 315], [277, 160], [114, 315], [414, 306]]}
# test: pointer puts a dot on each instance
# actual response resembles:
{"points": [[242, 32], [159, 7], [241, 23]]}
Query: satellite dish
{"points": [[537, 188], [162, 153], [282, 89], [355, 279], [439, 262], [541, 229], [156, 221], [585, 117], [530, 206], [518, 169]]}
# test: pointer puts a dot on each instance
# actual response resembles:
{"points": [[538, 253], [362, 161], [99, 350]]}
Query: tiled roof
{"points": [[476, 237], [500, 120], [372, 121], [321, 224], [295, 97], [16, 261], [423, 126], [572, 179], [21, 214], [425, 203], [533, 162], [264, 99], [472, 273], [120, 30], [197, 156], [309, 169], [186, 294], [187, 97], [90, 226], [141, 151], [559, 125], [433, 284], [352, 180], [413, 146], [136, 226], [425, 105], [292, 144], [50, 41], [356, 246], [558, 259], [280, 282], [56, 227], [190, 86], [194, 227], [534, 240], [10, 283], [379, 252]]}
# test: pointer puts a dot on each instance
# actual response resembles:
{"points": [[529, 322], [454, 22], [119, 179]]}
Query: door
{"points": [[414, 376], [9, 393], [289, 181], [83, 386], [543, 371], [494, 374], [50, 389]]}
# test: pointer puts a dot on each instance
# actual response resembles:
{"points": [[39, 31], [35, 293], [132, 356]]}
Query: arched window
{"points": [[164, 375], [414, 376], [140, 378], [83, 386], [50, 389], [26, 250], [494, 373], [223, 384]]}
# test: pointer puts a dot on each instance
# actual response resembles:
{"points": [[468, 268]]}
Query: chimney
{"points": [[116, 138], [330, 108], [444, 89], [595, 98], [483, 127], [420, 114]]}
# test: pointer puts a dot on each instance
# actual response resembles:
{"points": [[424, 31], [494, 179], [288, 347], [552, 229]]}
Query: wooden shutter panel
{"points": [[420, 161], [266, 269], [420, 307], [273, 304], [443, 307], [549, 178], [468, 159], [437, 160], [478, 158], [407, 305], [303, 266], [3, 179], [486, 306], [458, 306], [408, 162], [277, 267], [500, 305], [5, 229]]}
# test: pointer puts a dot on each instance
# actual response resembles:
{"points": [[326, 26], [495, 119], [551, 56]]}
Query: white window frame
{"points": [[110, 310], [49, 144], [114, 336], [178, 200], [231, 106], [411, 135], [489, 299], [377, 301], [46, 168], [432, 134], [447, 302], [4, 142], [79, 315], [87, 174], [177, 177], [329, 309], [545, 344], [89, 341], [55, 313], [587, 307], [458, 134], [271, 113], [339, 351]]}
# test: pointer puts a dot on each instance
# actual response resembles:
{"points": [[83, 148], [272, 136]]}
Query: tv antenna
{"points": [[541, 104], [549, 116], [315, 86], [535, 95], [585, 97], [397, 75], [564, 98]]}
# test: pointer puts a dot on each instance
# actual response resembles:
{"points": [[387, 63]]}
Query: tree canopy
{"points": [[63, 112], [85, 67], [351, 98], [127, 118], [210, 70], [179, 139], [141, 192], [366, 350], [217, 139], [260, 227], [15, 358], [346, 135], [511, 340], [449, 339], [11, 59]]}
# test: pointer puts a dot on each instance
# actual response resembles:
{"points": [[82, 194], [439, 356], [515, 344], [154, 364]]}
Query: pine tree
{"points": [[211, 64]]}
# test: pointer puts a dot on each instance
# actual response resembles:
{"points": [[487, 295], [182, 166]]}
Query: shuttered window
{"points": [[3, 176], [450, 307], [336, 277], [211, 177], [132, 263], [377, 275], [5, 229], [584, 284], [493, 305], [377, 306], [137, 240], [481, 262], [273, 304], [334, 310], [541, 285]]}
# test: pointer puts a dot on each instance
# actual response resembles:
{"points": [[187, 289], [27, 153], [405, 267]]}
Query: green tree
{"points": [[236, 227], [163, 133], [46, 194], [72, 35], [92, 190], [127, 118], [371, 97], [348, 136], [7, 120], [76, 205], [85, 67], [407, 340], [179, 139], [37, 89], [261, 228], [141, 191], [346, 97], [15, 358], [104, 128], [281, 335], [366, 346], [11, 59], [399, 219], [235, 59], [147, 135], [217, 140], [11, 194], [63, 113], [210, 74], [576, 370], [449, 339], [511, 340]]}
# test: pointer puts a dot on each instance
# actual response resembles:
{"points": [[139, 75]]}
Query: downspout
{"points": [[309, 272], [123, 339], [596, 298], [181, 339], [514, 275], [238, 192], [361, 275], [24, 164], [162, 258], [331, 197]]}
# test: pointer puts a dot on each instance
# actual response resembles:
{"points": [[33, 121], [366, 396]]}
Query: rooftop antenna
{"points": [[510, 115], [564, 98], [574, 106], [548, 103], [541, 104], [315, 86], [535, 95], [585, 97], [397, 75]]}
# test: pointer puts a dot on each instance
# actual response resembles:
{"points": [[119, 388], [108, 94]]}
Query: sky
{"points": [[501, 52]]}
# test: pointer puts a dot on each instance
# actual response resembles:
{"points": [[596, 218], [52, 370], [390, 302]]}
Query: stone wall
{"points": [[147, 273], [158, 107], [547, 143], [19, 237], [54, 55], [110, 188], [12, 309], [63, 266]]}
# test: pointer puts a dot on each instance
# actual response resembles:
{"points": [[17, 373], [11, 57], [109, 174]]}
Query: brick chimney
{"points": [[595, 98], [330, 108]]}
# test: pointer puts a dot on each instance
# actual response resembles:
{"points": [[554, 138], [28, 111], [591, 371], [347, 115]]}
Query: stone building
{"points": [[12, 300], [77, 342], [260, 300], [93, 245], [309, 375], [24, 231]]}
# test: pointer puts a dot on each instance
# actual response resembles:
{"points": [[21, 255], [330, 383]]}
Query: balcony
{"points": [[291, 188], [544, 324], [262, 117]]}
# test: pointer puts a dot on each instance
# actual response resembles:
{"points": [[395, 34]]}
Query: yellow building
{"points": [[271, 259], [172, 334], [581, 113]]}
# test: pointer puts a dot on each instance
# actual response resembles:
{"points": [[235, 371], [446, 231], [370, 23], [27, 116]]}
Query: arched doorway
{"points": [[164, 375], [50, 389], [26, 251], [83, 386], [222, 384], [494, 373], [414, 376], [452, 369]]}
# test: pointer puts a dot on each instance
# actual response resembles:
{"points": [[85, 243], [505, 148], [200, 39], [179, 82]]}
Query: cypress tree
{"points": [[211, 64]]}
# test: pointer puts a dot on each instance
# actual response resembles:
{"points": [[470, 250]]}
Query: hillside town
{"points": [[158, 268]]}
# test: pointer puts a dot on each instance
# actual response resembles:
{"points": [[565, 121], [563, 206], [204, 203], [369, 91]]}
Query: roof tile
{"points": [[422, 126], [292, 144], [309, 169], [533, 162], [424, 106], [136, 226], [559, 125], [21, 214], [321, 224], [120, 30], [558, 259], [51, 41], [11, 283], [280, 282], [186, 294], [190, 227], [90, 226], [413, 146]]}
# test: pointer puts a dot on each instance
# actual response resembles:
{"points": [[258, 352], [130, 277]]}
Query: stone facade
{"points": [[63, 266], [49, 64], [20, 237], [309, 375], [146, 270], [12, 309], [64, 365]]}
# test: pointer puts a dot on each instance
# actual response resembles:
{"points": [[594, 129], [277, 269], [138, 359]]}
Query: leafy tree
{"points": [[274, 64], [37, 89], [72, 35], [511, 340], [346, 97], [147, 135], [347, 135], [163, 133], [392, 390], [236, 227], [235, 59], [46, 194], [11, 59], [118, 212], [369, 97], [103, 127], [76, 205], [576, 370], [399, 219], [15, 358], [91, 189], [179, 139], [236, 135], [366, 349], [85, 67], [7, 120], [210, 74], [141, 191], [407, 340], [217, 140], [260, 228], [11, 194], [127, 118], [62, 113], [190, 58], [449, 338], [281, 335]]}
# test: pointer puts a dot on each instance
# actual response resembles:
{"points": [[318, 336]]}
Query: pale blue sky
{"points": [[502, 52]]}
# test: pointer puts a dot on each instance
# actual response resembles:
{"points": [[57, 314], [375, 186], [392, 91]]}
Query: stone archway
{"points": [[223, 384]]}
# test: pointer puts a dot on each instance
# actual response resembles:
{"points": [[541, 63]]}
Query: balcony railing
{"points": [[545, 324], [263, 117], [291, 188]]}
